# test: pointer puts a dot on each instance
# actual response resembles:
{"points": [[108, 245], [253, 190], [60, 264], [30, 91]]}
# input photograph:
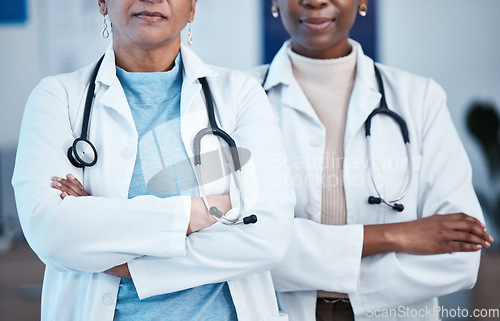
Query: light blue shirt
{"points": [[163, 169]]}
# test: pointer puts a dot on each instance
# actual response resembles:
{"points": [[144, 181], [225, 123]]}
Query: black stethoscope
{"points": [[382, 110], [83, 153]]}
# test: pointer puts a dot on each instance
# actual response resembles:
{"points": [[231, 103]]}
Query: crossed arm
{"points": [[199, 219], [436, 234]]}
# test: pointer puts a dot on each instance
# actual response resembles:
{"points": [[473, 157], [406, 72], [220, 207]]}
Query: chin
{"points": [[152, 38]]}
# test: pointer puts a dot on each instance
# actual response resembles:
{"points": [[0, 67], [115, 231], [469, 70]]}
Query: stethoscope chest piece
{"points": [[82, 153]]}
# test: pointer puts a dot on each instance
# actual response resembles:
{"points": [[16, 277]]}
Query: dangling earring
{"points": [[363, 9], [105, 32], [275, 11], [190, 36]]}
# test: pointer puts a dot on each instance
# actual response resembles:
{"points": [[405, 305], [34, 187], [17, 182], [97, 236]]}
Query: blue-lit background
{"points": [[274, 34], [13, 11]]}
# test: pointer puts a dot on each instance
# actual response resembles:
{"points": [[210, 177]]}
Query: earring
{"points": [[105, 32], [363, 9], [190, 36], [275, 11]]}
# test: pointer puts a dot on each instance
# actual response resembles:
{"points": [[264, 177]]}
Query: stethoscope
{"points": [[382, 109], [83, 153]]}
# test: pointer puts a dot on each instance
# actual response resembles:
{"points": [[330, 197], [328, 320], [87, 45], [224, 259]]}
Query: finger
{"points": [[466, 237], [63, 195], [64, 186], [465, 217], [473, 228], [77, 185], [58, 184], [73, 185], [460, 221], [465, 247]]}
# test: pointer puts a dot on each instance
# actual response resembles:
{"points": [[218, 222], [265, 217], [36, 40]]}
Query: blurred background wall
{"points": [[456, 42]]}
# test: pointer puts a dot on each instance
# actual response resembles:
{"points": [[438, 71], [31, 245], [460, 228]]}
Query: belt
{"points": [[334, 300]]}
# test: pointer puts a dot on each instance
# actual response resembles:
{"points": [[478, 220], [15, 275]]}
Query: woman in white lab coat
{"points": [[92, 245], [349, 259]]}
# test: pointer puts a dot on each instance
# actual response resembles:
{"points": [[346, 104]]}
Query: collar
{"points": [[280, 69], [193, 67], [114, 97], [281, 72], [364, 98]]}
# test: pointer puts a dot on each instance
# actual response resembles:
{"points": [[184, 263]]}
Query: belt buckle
{"points": [[335, 300]]}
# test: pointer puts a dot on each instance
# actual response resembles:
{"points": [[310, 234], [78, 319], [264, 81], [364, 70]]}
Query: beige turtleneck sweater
{"points": [[328, 85]]}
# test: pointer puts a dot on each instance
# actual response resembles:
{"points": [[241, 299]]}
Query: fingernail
{"points": [[55, 178], [63, 195], [56, 184], [491, 239], [71, 176], [479, 246], [487, 244]]}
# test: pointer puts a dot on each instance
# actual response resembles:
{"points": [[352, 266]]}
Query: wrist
{"points": [[393, 237], [381, 238]]}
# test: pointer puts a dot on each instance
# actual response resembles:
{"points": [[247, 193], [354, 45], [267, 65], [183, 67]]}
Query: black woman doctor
{"points": [[379, 223]]}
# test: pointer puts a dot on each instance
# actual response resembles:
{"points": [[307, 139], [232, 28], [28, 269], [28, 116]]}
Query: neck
{"points": [[146, 58], [339, 50]]}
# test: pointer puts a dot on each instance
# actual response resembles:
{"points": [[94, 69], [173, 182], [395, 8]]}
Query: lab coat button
{"points": [[311, 209], [316, 142], [127, 152], [109, 299]]}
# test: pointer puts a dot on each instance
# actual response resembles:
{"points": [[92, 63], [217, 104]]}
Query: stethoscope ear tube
{"points": [[377, 200], [251, 219]]}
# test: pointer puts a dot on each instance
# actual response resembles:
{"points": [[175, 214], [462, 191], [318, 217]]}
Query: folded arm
{"points": [[84, 234]]}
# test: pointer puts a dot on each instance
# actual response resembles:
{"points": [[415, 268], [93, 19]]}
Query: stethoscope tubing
{"points": [[214, 129], [383, 109], [79, 160], [372, 174]]}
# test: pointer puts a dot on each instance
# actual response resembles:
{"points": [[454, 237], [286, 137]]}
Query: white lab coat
{"points": [[78, 238], [329, 257]]}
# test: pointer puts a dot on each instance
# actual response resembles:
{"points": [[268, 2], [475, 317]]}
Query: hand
{"points": [[439, 234], [69, 186], [200, 217], [120, 271], [436, 234]]}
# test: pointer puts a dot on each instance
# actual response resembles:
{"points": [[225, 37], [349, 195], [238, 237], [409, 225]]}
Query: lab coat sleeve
{"points": [[227, 252], [445, 186], [84, 234], [322, 257]]}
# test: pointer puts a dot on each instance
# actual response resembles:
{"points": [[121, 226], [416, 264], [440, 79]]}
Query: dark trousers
{"points": [[334, 311]]}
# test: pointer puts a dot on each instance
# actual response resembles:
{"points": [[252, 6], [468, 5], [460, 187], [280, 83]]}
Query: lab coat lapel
{"points": [[107, 81], [281, 72], [193, 111], [192, 116], [365, 97], [114, 97], [294, 97]]}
